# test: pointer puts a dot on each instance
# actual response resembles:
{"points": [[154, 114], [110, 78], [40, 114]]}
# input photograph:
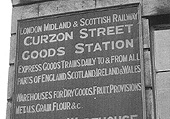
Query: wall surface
{"points": [[23, 9]]}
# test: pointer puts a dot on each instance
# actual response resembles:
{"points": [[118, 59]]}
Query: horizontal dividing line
{"points": [[148, 87], [30, 3], [13, 34], [11, 64], [163, 71], [147, 49]]}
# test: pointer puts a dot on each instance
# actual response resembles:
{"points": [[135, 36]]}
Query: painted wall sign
{"points": [[83, 65]]}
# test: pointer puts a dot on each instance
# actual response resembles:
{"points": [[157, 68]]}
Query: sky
{"points": [[5, 27]]}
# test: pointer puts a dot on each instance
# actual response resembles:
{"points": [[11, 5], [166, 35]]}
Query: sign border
{"points": [[137, 5]]}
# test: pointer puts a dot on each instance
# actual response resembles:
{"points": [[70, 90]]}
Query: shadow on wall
{"points": [[163, 7]]}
